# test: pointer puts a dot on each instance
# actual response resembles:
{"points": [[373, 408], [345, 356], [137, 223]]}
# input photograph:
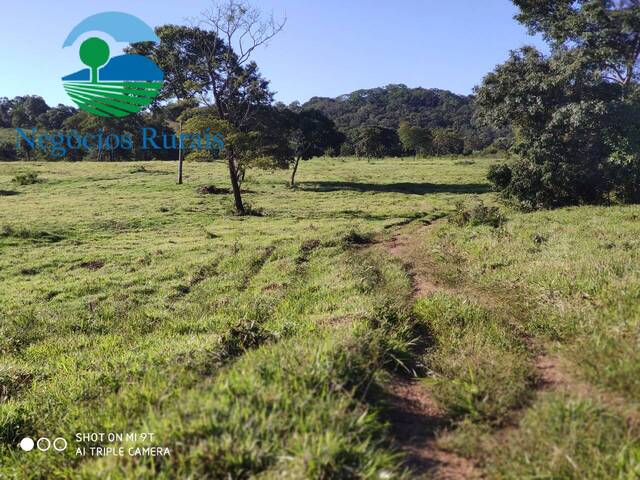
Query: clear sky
{"points": [[328, 47]]}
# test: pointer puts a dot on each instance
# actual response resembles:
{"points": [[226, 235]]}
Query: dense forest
{"points": [[370, 122], [389, 106]]}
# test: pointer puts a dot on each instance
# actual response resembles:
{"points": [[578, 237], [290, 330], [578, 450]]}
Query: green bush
{"points": [[500, 176], [577, 139], [26, 178], [477, 214], [566, 163]]}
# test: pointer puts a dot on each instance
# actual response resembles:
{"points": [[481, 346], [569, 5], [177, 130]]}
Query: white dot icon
{"points": [[27, 444]]}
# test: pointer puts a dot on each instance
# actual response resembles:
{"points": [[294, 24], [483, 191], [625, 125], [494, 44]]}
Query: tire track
{"points": [[415, 417]]}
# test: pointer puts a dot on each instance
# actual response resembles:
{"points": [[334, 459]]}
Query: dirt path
{"points": [[415, 417], [553, 374]]}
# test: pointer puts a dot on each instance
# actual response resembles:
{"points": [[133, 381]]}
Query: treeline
{"points": [[391, 121], [32, 112], [413, 122], [442, 122]]}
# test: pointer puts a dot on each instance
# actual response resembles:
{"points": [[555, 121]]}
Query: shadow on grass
{"points": [[8, 193], [408, 188]]}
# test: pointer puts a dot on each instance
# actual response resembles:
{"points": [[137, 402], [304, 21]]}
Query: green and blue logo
{"points": [[113, 86]]}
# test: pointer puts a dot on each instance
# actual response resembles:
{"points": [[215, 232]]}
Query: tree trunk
{"points": [[293, 173], [237, 196], [101, 147], [180, 155]]}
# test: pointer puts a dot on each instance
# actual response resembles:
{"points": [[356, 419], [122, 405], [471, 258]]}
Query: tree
{"points": [[214, 63], [27, 109], [311, 134], [265, 145], [181, 58], [415, 140], [605, 33], [54, 118], [447, 141], [575, 112], [5, 112], [391, 105], [375, 142]]}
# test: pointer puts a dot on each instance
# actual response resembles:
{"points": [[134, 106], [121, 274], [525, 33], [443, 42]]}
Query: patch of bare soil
{"points": [[406, 245], [553, 375], [415, 422]]}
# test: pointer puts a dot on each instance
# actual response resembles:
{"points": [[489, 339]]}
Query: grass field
{"points": [[261, 346]]}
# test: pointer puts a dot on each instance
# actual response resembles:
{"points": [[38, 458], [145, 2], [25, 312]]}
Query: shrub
{"points": [[8, 151], [477, 214], [576, 138], [500, 176], [26, 178], [627, 177]]}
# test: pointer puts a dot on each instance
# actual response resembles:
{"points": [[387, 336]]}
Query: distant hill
{"points": [[390, 105]]}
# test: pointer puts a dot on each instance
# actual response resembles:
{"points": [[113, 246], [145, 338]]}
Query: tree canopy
{"points": [[311, 134], [576, 111], [392, 105]]}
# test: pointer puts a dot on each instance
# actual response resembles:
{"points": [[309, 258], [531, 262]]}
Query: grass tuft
{"points": [[477, 214], [26, 178]]}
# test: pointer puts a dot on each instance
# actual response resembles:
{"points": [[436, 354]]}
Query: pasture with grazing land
{"points": [[394, 283], [280, 344]]}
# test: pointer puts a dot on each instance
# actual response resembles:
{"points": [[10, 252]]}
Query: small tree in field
{"points": [[213, 63], [311, 134], [415, 140], [233, 82], [264, 146]]}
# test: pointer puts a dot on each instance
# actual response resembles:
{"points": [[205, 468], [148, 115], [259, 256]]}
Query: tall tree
{"points": [[447, 141], [576, 111], [311, 134], [375, 142], [181, 59], [5, 112], [30, 106], [233, 81], [415, 140], [54, 118], [606, 33], [213, 62]]}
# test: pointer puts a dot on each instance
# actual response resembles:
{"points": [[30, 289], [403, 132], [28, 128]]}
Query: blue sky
{"points": [[328, 47]]}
